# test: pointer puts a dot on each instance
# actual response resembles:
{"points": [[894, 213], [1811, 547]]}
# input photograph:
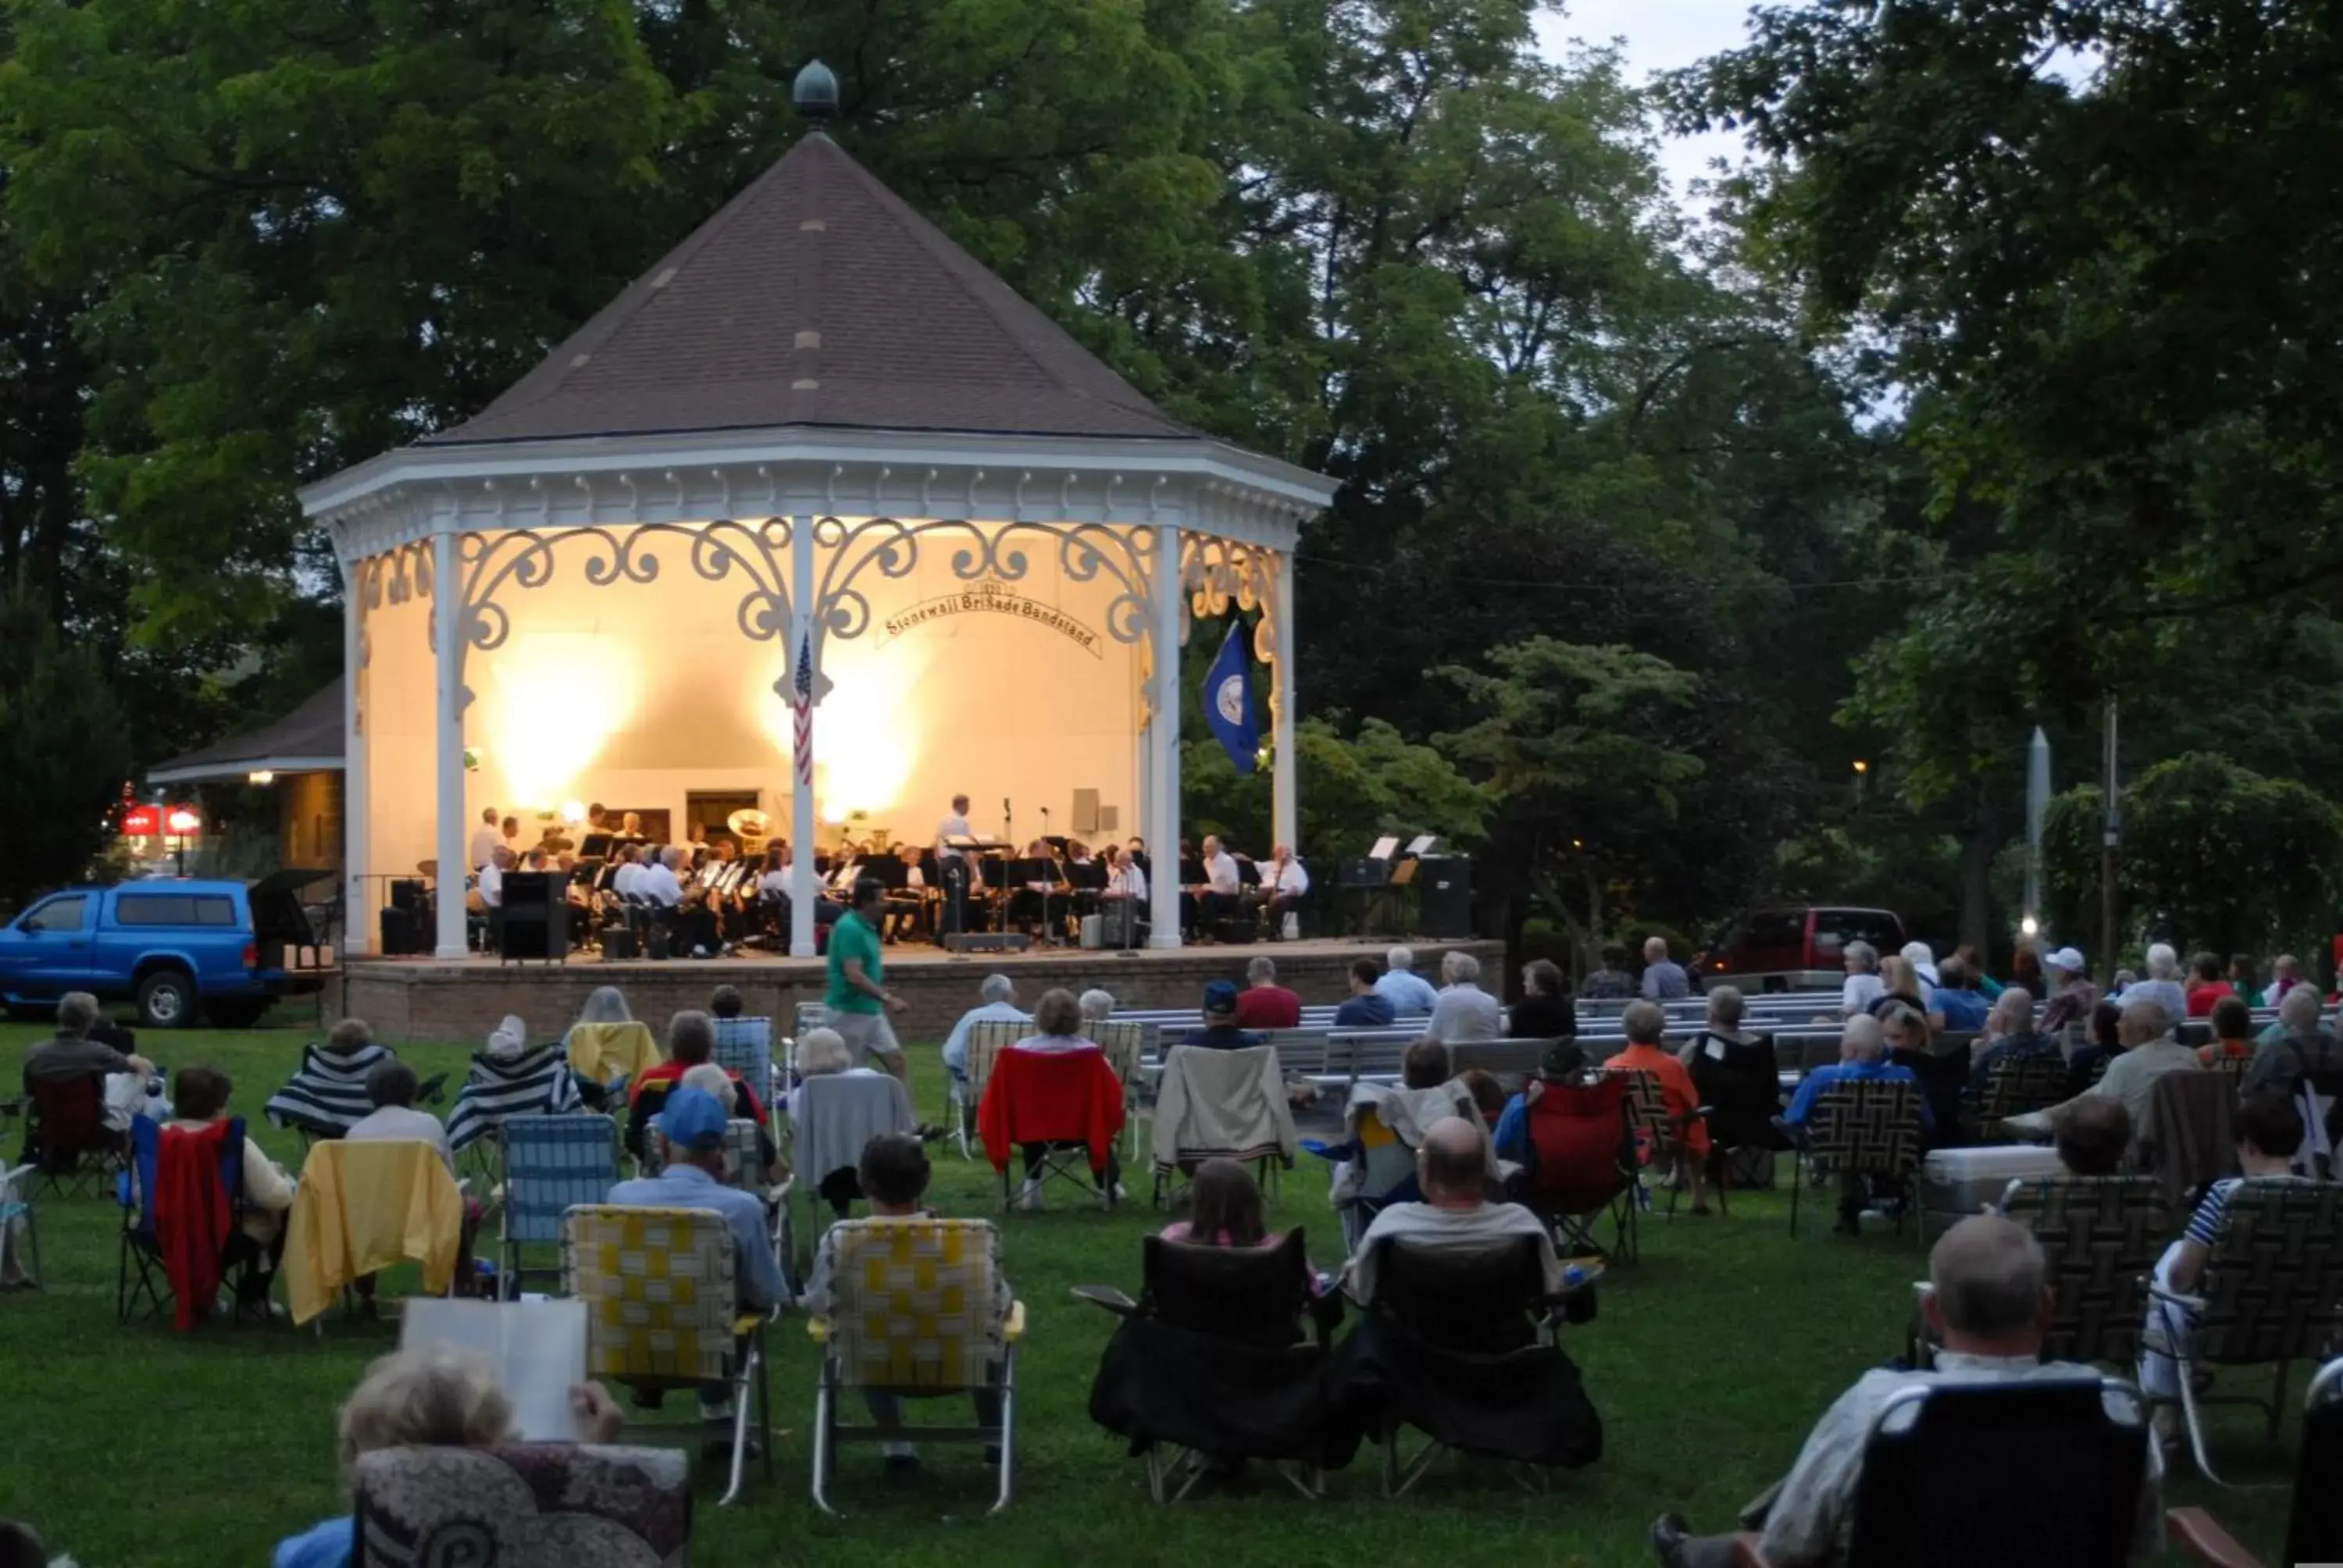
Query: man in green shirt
{"points": [[857, 997]]}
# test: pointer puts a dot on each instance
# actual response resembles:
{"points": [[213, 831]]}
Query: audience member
{"points": [[72, 1054], [2205, 986], [725, 1002], [430, 1397], [690, 1042], [1663, 978], [391, 1089], [1097, 1006], [894, 1175], [1058, 1031], [2286, 974], [1365, 1007], [1264, 1003], [1464, 1011], [1488, 1094], [1863, 985], [2092, 1137], [1923, 960], [996, 1003], [1455, 1216], [1221, 1031], [2233, 1030], [2149, 1052], [1645, 1024], [1424, 1065], [2008, 1035], [1979, 981], [2074, 996], [1989, 1302], [1546, 1010], [199, 1097], [1861, 1057], [2162, 985], [2300, 1049], [1900, 986], [1958, 1005], [1564, 1062], [1726, 1007], [1409, 994], [1611, 982], [2102, 1043]]}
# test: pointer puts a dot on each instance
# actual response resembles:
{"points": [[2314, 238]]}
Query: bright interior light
{"points": [[573, 811], [868, 732], [183, 820], [260, 775], [555, 700]]}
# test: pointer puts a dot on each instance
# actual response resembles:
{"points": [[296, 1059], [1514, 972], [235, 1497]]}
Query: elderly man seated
{"points": [[1464, 1012], [2149, 1052], [1263, 1003], [997, 1004], [1956, 1004], [2294, 1048], [1409, 994], [2008, 1035], [690, 1043], [1455, 1216], [73, 1053], [1989, 1302], [1862, 1057]]}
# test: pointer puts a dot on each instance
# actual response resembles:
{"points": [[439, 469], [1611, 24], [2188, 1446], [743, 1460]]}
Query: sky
{"points": [[1657, 35]]}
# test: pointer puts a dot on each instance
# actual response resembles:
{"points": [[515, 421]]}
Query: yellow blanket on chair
{"points": [[361, 1207]]}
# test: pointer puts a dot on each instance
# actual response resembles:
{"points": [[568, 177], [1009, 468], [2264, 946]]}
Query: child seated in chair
{"points": [[1224, 1209]]}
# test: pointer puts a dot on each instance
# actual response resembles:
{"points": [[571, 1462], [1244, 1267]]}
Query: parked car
{"points": [[1795, 947], [176, 947]]}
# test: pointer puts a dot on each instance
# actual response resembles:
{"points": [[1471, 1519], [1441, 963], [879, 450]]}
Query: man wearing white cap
{"points": [[2073, 996]]}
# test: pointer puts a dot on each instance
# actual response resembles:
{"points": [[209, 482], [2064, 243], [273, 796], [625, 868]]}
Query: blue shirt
{"points": [[1667, 982], [1963, 1010], [1512, 1137], [690, 1187], [1802, 1103], [956, 1042], [326, 1546], [1409, 994], [1371, 1011]]}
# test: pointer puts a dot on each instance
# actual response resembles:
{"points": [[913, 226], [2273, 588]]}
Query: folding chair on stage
{"points": [[552, 1164], [1865, 1129], [987, 1039], [1583, 1168], [2314, 1531], [917, 1314], [662, 1315]]}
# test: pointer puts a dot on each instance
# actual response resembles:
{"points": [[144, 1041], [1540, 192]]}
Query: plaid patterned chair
{"points": [[745, 1046], [2101, 1236], [1659, 1137], [2272, 1293], [2019, 1084], [1868, 1128], [662, 1314], [987, 1039], [1124, 1041], [552, 1164], [521, 1505], [2187, 1142], [913, 1314]]}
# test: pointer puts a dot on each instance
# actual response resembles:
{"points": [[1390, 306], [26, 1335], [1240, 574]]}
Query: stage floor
{"points": [[464, 999]]}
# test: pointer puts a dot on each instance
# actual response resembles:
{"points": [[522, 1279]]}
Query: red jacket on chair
{"points": [[1050, 1097], [193, 1216]]}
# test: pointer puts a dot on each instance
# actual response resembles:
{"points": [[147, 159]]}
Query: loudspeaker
{"points": [[1445, 896], [404, 931], [988, 941], [407, 893], [536, 916], [617, 943]]}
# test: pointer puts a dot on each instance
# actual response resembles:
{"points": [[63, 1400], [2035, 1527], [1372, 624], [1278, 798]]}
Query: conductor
{"points": [[954, 866]]}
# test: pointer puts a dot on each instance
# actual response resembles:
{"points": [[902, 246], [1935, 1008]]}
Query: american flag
{"points": [[803, 701]]}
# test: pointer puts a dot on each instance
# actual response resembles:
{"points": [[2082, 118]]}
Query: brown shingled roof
{"points": [[817, 297]]}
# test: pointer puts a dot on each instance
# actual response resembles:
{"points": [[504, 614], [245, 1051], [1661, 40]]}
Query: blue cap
{"points": [[692, 1118], [1221, 996]]}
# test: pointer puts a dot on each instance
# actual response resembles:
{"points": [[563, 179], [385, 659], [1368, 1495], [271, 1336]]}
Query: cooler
{"points": [[1958, 1182]]}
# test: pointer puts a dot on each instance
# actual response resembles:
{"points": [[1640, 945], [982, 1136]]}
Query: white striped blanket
{"points": [[327, 1096], [536, 1082]]}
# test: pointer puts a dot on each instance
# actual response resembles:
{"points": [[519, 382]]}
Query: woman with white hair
{"points": [[1464, 1012], [1097, 1006], [606, 1004], [1863, 985], [2162, 985]]}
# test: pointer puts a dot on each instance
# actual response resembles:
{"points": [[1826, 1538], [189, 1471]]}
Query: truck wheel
{"points": [[166, 999], [241, 1013]]}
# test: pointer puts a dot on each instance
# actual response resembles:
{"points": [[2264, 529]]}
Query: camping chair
{"points": [[1583, 1164], [2189, 1142], [1740, 1082], [608, 1054], [663, 1313], [530, 1504], [66, 1134], [361, 1208], [1213, 1363], [142, 1250], [2101, 1236], [987, 1039], [1222, 1104], [1479, 1326], [1124, 1041], [16, 1210], [1936, 1449], [552, 1164], [745, 1046], [2017, 1085], [915, 1313], [1388, 1163], [2314, 1531], [1659, 1135], [1069, 1103], [2272, 1292], [1867, 1128]]}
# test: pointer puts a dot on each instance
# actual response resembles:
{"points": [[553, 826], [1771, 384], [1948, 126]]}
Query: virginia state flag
{"points": [[1228, 699]]}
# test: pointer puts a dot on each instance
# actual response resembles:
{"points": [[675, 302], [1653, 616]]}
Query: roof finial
{"points": [[816, 93]]}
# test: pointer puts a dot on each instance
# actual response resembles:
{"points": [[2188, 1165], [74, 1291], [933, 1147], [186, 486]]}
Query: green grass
{"points": [[1709, 1361]]}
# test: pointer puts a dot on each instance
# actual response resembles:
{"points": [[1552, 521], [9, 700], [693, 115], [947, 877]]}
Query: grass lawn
{"points": [[1709, 1361]]}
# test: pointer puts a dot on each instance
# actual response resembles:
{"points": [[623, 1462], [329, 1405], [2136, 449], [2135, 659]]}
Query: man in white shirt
{"points": [[1124, 880], [484, 838], [1455, 1217], [952, 865], [492, 878], [1464, 1012], [1284, 881], [1220, 895], [2149, 1052], [658, 880], [1990, 1300], [998, 1003], [391, 1087], [1409, 994]]}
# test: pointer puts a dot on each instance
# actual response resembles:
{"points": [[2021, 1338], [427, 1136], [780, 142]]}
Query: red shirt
{"points": [[1268, 1007], [671, 1072], [2204, 994]]}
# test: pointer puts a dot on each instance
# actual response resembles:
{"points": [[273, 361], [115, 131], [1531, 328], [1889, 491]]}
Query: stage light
{"points": [[555, 698], [573, 811]]}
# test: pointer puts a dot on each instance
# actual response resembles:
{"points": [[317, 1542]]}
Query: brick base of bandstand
{"points": [[461, 1000]]}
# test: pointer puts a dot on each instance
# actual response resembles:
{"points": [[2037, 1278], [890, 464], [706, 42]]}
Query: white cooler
{"points": [[1958, 1182]]}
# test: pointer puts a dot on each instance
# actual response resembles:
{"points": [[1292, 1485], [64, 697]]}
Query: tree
{"points": [[2213, 857], [67, 748], [1355, 789]]}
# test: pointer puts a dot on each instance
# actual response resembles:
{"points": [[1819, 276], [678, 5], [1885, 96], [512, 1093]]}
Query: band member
{"points": [[1282, 883], [952, 865], [1219, 896], [907, 906]]}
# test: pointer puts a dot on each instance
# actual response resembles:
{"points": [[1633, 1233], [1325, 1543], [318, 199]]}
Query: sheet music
{"points": [[1422, 844], [537, 1348], [1385, 846]]}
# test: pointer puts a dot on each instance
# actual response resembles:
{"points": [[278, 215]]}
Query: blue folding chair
{"points": [[552, 1163], [142, 1251], [745, 1046]]}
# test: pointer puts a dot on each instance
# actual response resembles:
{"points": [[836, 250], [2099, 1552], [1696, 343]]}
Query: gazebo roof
{"points": [[817, 298], [309, 739]]}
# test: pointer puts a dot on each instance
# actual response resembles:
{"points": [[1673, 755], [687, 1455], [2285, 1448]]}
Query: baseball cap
{"points": [[691, 1118], [1221, 996], [2065, 959]]}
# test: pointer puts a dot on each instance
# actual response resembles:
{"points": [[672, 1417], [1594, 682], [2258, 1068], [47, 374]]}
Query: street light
{"points": [[1861, 766], [2029, 927]]}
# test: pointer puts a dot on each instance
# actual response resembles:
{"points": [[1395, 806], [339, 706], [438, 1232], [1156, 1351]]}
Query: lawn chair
{"points": [[1221, 1359], [523, 1505], [552, 1164], [360, 1208], [1124, 1041], [143, 1269], [835, 1114], [66, 1136], [1222, 1104], [2017, 1086], [2272, 1292], [608, 1054], [2189, 1142], [1467, 1350], [916, 1314], [536, 1082], [663, 1314], [1659, 1136], [2314, 1531], [1583, 1164], [745, 1046], [987, 1039], [2101, 1237], [744, 1168], [17, 1218], [1740, 1082], [1865, 1127], [1069, 1103]]}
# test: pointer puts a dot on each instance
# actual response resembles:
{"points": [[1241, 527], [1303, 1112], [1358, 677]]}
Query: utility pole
{"points": [[2111, 839], [2037, 801]]}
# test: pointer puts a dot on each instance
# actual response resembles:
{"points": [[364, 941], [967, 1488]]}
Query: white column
{"points": [[1163, 748], [358, 907], [802, 590], [447, 615], [1285, 810]]}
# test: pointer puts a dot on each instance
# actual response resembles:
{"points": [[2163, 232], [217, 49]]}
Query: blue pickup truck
{"points": [[176, 947]]}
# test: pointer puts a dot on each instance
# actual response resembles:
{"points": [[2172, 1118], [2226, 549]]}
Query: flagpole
{"points": [[803, 675]]}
